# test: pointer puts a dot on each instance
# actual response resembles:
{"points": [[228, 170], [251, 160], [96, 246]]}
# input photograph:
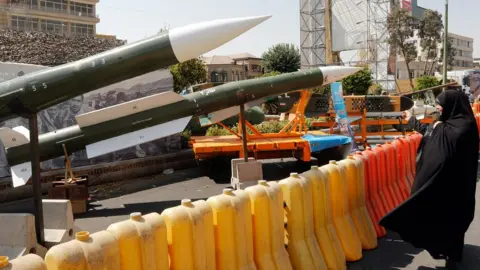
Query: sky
{"points": [[134, 20]]}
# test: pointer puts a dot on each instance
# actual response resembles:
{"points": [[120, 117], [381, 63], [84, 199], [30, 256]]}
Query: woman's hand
{"points": [[407, 115]]}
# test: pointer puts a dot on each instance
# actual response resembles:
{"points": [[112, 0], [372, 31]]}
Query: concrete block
{"points": [[249, 173], [58, 222], [236, 161], [18, 236]]}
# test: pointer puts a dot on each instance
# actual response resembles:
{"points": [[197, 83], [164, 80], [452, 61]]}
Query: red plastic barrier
{"points": [[382, 178], [408, 161], [413, 154], [375, 205], [477, 118], [401, 167], [392, 174]]}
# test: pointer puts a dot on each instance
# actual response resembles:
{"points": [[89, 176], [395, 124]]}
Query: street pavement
{"points": [[114, 202]]}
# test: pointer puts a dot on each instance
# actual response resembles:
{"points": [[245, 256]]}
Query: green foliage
{"points": [[430, 33], [282, 58], [427, 82], [188, 73], [324, 90], [272, 73], [376, 90], [358, 83], [265, 127], [401, 26]]}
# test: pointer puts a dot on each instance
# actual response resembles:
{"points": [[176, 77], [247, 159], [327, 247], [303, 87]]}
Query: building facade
{"points": [[66, 17], [232, 67], [462, 60]]}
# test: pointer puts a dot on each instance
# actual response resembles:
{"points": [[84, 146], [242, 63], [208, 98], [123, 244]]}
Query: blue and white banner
{"points": [[341, 113]]}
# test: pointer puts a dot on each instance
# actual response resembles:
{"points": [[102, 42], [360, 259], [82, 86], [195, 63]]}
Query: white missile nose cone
{"points": [[336, 73], [193, 40]]}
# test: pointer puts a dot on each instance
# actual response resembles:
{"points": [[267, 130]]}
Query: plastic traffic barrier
{"points": [[312, 243], [297, 247], [159, 230], [413, 155], [392, 175], [364, 225], [230, 234], [27, 262], [408, 163], [369, 203], [279, 236], [344, 226], [401, 169], [383, 178], [379, 206], [262, 221], [188, 235], [137, 241], [243, 200], [323, 222], [100, 250]]}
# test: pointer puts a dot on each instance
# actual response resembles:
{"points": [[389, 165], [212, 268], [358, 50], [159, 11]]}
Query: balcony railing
{"points": [[47, 9]]}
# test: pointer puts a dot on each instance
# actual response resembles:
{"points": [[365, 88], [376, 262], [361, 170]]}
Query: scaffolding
{"points": [[366, 20]]}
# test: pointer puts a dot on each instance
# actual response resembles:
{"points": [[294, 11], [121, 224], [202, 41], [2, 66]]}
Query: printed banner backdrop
{"points": [[341, 113], [63, 115]]}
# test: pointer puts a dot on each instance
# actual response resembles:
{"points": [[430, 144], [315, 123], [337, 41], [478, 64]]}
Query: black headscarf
{"points": [[442, 204]]}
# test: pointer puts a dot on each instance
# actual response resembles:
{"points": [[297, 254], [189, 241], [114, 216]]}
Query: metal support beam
{"points": [[241, 101], [37, 190], [445, 50]]}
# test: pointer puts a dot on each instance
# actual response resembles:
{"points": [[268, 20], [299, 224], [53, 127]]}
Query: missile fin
{"points": [[127, 108], [137, 137], [21, 173], [14, 137], [220, 115]]}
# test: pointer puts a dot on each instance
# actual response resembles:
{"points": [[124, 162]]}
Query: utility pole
{"points": [[445, 42]]}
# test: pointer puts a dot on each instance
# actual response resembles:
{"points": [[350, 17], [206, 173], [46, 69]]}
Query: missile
{"points": [[42, 89], [154, 117]]}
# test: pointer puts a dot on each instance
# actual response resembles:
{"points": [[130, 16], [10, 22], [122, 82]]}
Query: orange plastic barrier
{"points": [[383, 178], [379, 230], [477, 118], [378, 206], [392, 173], [401, 169], [408, 163]]}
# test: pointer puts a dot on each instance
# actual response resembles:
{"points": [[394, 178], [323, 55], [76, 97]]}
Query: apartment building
{"points": [[232, 67], [66, 17], [462, 60]]}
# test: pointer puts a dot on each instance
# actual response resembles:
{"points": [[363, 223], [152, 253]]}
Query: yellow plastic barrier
{"points": [[324, 230], [245, 203], [358, 209], [230, 230], [159, 230], [205, 236], [100, 251], [262, 226], [297, 247], [29, 261], [187, 225], [137, 241], [342, 221], [279, 236]]}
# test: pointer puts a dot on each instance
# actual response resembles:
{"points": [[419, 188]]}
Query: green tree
{"points": [[430, 33], [269, 74], [451, 53], [188, 73], [401, 26], [358, 83], [282, 58], [425, 82]]}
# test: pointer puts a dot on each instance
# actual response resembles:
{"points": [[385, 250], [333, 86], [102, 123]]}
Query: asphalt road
{"points": [[114, 202]]}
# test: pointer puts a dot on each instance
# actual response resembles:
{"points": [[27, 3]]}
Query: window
{"points": [[224, 76], [412, 74], [24, 23], [80, 9], [54, 5], [51, 26], [78, 29], [214, 76]]}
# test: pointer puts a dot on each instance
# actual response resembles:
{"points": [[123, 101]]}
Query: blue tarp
{"points": [[322, 142]]}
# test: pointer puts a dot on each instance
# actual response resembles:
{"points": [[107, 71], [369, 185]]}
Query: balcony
{"points": [[39, 10]]}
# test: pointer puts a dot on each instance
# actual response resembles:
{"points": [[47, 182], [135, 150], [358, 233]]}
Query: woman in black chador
{"points": [[442, 202]]}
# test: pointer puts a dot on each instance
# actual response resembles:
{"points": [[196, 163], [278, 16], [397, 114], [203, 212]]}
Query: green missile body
{"points": [[157, 116], [42, 89]]}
